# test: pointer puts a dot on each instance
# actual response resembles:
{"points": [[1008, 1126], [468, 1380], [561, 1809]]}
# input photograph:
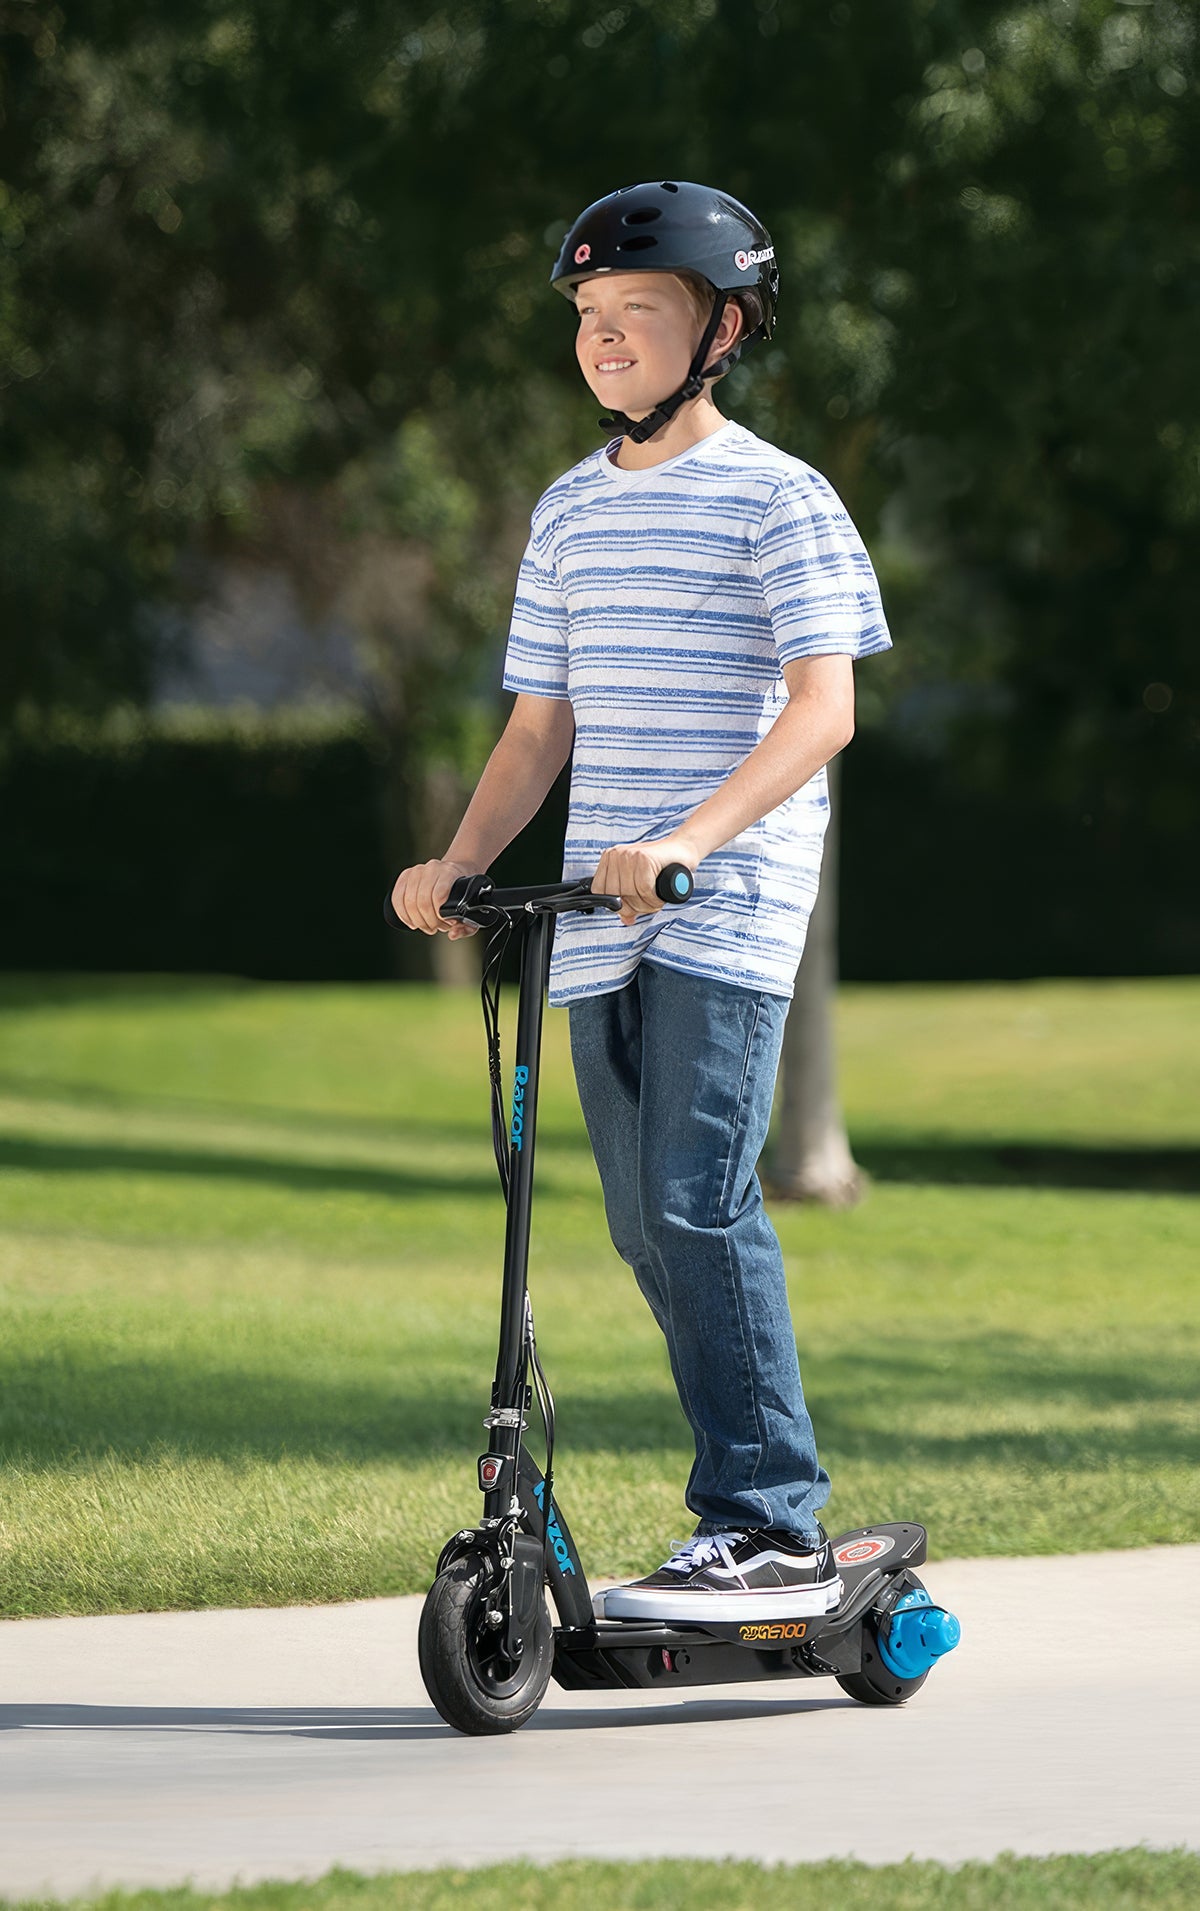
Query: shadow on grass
{"points": [[1025, 1384], [302, 1177], [57, 1414], [1011, 1164], [245, 1112], [1146, 1170]]}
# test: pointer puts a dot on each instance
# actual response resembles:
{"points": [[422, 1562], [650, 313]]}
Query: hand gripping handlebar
{"points": [[476, 898]]}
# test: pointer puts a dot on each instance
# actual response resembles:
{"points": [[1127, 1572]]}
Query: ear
{"points": [[728, 332]]}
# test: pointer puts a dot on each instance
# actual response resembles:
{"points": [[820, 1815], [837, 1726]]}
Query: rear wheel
{"points": [[877, 1684], [468, 1674]]}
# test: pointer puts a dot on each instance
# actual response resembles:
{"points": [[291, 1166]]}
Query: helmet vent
{"points": [[639, 244], [668, 185], [643, 216]]}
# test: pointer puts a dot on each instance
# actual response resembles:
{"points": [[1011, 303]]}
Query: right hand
{"points": [[419, 893]]}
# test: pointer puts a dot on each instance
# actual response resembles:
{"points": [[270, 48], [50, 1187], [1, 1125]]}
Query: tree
{"points": [[811, 1160], [255, 253]]}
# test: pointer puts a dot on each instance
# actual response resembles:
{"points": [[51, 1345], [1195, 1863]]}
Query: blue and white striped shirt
{"points": [[663, 603]]}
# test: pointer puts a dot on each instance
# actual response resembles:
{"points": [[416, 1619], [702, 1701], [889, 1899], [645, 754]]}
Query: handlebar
{"points": [[673, 884]]}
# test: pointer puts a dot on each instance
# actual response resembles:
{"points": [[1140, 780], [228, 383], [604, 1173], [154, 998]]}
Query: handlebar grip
{"points": [[675, 883], [464, 890]]}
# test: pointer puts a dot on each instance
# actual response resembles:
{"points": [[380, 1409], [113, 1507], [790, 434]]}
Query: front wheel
{"points": [[475, 1686]]}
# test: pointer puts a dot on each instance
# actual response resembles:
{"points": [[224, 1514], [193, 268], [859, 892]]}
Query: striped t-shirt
{"points": [[663, 603]]}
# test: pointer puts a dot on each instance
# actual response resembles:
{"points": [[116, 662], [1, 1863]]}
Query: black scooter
{"points": [[487, 1645]]}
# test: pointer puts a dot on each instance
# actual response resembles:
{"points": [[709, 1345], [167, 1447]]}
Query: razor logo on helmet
{"points": [[743, 260], [582, 254]]}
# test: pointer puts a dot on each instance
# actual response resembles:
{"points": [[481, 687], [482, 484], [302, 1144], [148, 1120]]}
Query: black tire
{"points": [[876, 1684], [474, 1686]]}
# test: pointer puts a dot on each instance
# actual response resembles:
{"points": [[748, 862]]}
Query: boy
{"points": [[687, 614]]}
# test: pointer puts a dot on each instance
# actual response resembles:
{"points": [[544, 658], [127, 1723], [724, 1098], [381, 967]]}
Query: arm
{"points": [[816, 722], [533, 747]]}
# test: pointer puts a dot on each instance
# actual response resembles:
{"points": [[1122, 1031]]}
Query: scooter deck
{"points": [[634, 1653]]}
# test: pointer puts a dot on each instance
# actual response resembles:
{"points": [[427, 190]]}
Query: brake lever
{"points": [[561, 905]]}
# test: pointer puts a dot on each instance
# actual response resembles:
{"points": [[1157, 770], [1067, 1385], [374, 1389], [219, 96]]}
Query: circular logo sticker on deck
{"points": [[857, 1552]]}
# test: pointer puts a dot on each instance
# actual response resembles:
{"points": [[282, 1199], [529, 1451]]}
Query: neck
{"points": [[698, 419]]}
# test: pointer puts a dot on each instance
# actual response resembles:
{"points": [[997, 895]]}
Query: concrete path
{"points": [[244, 1745]]}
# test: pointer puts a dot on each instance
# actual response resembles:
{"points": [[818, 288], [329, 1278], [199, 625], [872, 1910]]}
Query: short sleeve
{"points": [[536, 658], [818, 582]]}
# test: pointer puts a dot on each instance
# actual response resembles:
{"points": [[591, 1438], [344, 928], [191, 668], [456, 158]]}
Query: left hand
{"points": [[629, 870]]}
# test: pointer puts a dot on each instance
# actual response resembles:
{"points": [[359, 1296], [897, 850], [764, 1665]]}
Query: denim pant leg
{"points": [[697, 1090], [606, 1050]]}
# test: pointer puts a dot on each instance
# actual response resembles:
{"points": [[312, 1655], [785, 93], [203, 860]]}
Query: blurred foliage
{"points": [[273, 279]]}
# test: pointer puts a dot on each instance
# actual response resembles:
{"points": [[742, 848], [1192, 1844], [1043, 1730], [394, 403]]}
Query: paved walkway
{"points": [[222, 1745]]}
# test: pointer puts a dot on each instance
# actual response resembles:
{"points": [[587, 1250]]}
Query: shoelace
{"points": [[687, 1555]]}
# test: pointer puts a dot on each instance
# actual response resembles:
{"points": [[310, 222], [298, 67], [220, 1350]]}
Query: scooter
{"points": [[487, 1645]]}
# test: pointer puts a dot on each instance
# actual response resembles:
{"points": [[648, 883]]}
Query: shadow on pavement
{"points": [[388, 1722], [318, 1721]]}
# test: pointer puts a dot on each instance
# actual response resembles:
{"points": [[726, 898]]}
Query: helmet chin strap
{"points": [[637, 431]]}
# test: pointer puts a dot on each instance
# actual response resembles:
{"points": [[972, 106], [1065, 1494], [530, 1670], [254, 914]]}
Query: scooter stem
{"points": [[510, 1391]]}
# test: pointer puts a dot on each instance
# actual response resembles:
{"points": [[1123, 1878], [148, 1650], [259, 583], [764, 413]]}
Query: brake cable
{"points": [[496, 947]]}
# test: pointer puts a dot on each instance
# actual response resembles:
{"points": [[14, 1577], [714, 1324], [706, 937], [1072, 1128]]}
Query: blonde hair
{"points": [[700, 293], [702, 296]]}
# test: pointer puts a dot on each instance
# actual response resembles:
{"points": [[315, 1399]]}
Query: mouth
{"points": [[607, 365]]}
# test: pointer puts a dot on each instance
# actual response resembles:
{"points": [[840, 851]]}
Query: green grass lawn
{"points": [[1113, 1881], [249, 1254]]}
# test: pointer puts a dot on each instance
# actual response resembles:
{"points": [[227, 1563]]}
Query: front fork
{"points": [[523, 1552]]}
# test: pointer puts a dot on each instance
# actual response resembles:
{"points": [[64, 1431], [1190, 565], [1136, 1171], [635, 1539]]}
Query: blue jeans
{"points": [[676, 1077]]}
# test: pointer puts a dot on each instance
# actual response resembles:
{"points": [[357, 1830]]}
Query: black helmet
{"points": [[673, 226]]}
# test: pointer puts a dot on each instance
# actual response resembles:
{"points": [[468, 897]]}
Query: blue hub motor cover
{"points": [[918, 1635]]}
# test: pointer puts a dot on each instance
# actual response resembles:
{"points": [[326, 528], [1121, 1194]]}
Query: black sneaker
{"points": [[732, 1576]]}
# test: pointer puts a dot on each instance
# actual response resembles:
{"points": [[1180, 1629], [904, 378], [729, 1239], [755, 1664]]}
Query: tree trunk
{"points": [[811, 1160]]}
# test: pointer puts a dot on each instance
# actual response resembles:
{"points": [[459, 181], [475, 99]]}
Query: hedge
{"points": [[255, 846], [194, 845]]}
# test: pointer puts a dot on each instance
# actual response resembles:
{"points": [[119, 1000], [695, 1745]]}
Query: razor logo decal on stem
{"points": [[520, 1077], [554, 1532]]}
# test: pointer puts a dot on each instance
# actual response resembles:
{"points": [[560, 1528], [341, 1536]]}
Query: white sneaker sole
{"points": [[727, 1608]]}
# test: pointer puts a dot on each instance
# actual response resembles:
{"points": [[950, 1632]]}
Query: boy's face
{"points": [[637, 334]]}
